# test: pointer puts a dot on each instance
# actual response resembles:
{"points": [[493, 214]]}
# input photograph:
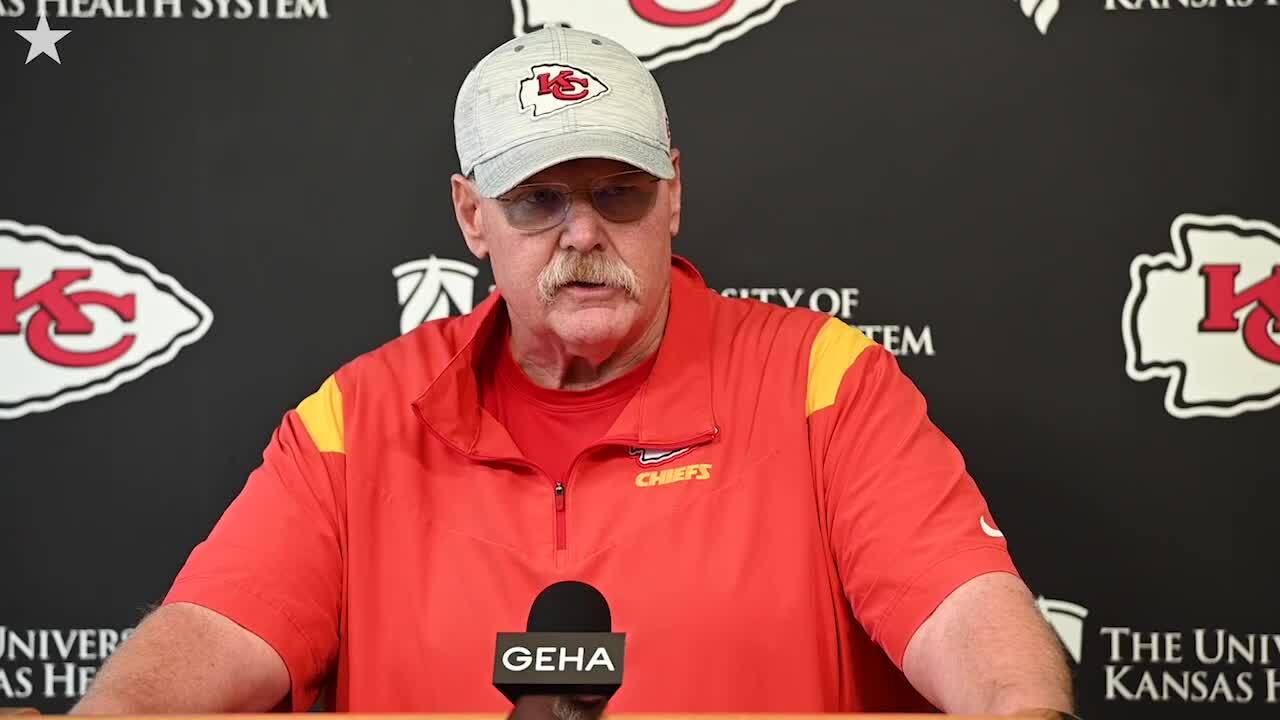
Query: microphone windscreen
{"points": [[570, 606]]}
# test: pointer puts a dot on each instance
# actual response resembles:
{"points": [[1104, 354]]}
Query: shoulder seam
{"points": [[834, 350]]}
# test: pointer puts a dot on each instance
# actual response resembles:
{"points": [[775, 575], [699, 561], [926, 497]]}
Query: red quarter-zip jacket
{"points": [[771, 517]]}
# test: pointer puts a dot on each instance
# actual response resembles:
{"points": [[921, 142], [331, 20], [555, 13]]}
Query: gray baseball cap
{"points": [[553, 95]]}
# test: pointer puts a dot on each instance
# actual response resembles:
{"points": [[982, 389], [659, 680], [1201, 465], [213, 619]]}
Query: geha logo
{"points": [[1204, 317], [432, 288], [1041, 12], [78, 319], [656, 31], [552, 88], [556, 659]]}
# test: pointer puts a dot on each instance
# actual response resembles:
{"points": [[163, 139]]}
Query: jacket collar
{"points": [[673, 407]]}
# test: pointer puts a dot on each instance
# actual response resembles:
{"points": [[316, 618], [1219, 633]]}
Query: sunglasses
{"points": [[619, 198]]}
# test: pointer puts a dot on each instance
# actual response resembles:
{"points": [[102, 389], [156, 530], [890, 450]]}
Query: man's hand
{"points": [[987, 649]]}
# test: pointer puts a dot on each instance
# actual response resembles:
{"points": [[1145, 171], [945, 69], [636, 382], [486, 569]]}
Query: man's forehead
{"points": [[580, 169]]}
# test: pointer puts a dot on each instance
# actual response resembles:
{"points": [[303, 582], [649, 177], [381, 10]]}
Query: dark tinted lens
{"points": [[624, 199], [534, 207]]}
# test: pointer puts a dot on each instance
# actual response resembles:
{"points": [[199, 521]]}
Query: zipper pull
{"points": [[559, 496]]}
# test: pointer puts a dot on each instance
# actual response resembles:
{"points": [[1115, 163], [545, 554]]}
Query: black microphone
{"points": [[568, 663]]}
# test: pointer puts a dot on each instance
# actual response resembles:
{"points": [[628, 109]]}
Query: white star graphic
{"points": [[43, 40]]}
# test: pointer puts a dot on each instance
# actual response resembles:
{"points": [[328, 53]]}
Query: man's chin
{"points": [[590, 325]]}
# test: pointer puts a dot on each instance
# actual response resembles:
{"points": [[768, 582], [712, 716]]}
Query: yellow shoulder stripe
{"points": [[321, 413], [834, 351]]}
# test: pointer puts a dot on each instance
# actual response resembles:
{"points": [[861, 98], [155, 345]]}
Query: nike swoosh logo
{"points": [[990, 531], [653, 457]]}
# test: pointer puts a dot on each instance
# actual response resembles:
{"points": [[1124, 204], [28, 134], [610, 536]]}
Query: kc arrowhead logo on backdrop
{"points": [[78, 319], [657, 31], [1205, 317], [551, 88], [433, 288]]}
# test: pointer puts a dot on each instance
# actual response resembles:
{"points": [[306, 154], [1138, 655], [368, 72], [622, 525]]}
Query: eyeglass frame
{"points": [[570, 192]]}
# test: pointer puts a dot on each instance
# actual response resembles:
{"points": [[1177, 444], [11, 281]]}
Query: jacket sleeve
{"points": [[274, 561], [907, 523]]}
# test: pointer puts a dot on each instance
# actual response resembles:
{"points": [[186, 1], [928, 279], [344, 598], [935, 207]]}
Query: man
{"points": [[757, 491]]}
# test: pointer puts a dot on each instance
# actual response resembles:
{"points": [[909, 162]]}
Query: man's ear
{"points": [[674, 189], [467, 209]]}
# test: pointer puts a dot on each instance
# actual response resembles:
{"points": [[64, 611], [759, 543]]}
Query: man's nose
{"points": [[583, 229]]}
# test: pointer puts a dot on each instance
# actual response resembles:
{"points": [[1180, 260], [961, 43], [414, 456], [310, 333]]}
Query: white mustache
{"points": [[596, 268]]}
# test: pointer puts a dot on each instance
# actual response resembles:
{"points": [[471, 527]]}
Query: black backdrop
{"points": [[971, 177]]}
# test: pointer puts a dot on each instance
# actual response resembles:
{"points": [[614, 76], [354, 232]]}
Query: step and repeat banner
{"points": [[1060, 215]]}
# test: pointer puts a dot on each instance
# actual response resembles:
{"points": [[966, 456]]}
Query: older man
{"points": [[758, 491]]}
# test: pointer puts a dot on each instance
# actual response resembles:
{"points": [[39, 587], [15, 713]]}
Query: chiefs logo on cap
{"points": [[551, 88]]}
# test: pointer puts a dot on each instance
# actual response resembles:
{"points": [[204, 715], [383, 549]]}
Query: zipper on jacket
{"points": [[560, 489], [561, 541]]}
